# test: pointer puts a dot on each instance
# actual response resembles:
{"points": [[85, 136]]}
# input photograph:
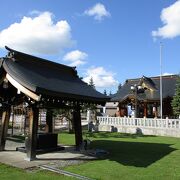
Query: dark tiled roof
{"points": [[49, 78], [168, 87]]}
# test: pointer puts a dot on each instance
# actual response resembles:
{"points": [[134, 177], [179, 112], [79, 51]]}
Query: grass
{"points": [[66, 139], [131, 157], [7, 173]]}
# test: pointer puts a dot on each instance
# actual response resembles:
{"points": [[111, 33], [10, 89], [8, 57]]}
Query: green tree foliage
{"points": [[110, 93], [176, 99], [91, 83], [67, 113], [105, 93], [90, 106]]}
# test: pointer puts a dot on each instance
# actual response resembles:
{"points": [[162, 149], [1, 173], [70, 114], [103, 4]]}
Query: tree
{"points": [[67, 113], [176, 99], [91, 107], [91, 83], [110, 94], [105, 93]]}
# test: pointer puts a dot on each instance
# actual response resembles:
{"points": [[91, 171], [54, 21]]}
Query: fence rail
{"points": [[140, 122]]}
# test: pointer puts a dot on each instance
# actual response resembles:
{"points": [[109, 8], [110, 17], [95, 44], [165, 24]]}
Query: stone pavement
{"points": [[58, 159]]}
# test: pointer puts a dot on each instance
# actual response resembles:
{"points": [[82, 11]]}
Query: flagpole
{"points": [[161, 104]]}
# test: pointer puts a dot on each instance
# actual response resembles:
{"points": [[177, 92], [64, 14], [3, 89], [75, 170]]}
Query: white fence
{"points": [[149, 126]]}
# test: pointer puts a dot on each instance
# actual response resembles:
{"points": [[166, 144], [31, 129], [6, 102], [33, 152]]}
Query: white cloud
{"points": [[167, 74], [98, 11], [35, 12], [170, 17], [101, 77], [76, 58], [37, 35]]}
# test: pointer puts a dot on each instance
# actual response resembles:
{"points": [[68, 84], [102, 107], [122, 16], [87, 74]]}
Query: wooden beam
{"points": [[31, 141], [4, 128], [22, 88], [77, 126]]}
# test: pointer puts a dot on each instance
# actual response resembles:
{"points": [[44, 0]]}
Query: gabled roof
{"points": [[147, 83], [48, 78], [152, 88]]}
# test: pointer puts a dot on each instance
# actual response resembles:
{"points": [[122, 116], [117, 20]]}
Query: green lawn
{"points": [[66, 138], [11, 173], [130, 157]]}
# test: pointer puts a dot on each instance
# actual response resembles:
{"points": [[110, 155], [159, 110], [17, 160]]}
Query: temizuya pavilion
{"points": [[43, 84]]}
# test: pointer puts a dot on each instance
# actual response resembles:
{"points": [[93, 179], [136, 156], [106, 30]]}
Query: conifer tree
{"points": [[110, 94], [176, 99], [91, 107], [91, 83], [105, 93]]}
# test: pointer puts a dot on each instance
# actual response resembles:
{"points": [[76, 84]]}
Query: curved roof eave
{"points": [[33, 78], [19, 79]]}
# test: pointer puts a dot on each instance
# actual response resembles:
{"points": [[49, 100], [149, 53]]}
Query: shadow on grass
{"points": [[136, 154]]}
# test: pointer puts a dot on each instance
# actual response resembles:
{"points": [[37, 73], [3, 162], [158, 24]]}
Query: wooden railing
{"points": [[140, 122]]}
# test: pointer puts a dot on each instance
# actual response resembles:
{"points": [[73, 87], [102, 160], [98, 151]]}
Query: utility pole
{"points": [[136, 109], [161, 104], [134, 88]]}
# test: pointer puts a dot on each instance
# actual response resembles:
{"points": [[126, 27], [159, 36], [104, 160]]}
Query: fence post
{"points": [[144, 121]]}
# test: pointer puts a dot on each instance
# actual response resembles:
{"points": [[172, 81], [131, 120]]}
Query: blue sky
{"points": [[110, 41]]}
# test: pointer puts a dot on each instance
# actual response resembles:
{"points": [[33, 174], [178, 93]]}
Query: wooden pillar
{"points": [[12, 128], [145, 109], [49, 121], [77, 126], [4, 128], [31, 142]]}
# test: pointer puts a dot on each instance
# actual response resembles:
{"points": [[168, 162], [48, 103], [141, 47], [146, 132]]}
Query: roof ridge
{"points": [[153, 77], [42, 60], [166, 76]]}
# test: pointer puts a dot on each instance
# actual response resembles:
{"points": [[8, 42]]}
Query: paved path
{"points": [[57, 159]]}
